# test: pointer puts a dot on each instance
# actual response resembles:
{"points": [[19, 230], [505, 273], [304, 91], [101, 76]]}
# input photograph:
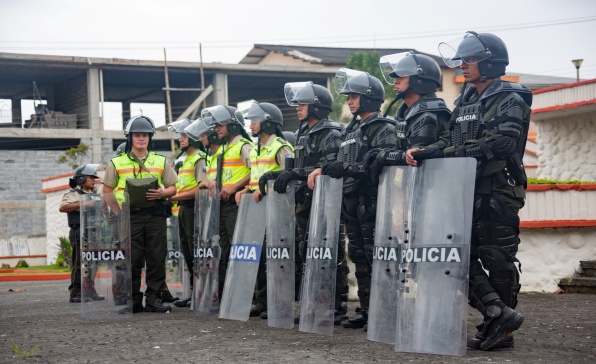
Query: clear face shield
{"points": [[466, 48], [256, 114], [299, 93], [218, 115], [176, 128], [399, 65], [352, 81], [197, 128]]}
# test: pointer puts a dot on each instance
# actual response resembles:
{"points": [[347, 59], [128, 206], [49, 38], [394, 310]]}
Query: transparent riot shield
{"points": [[318, 283], [175, 265], [395, 188], [433, 293], [245, 254], [205, 300], [105, 259], [280, 258]]}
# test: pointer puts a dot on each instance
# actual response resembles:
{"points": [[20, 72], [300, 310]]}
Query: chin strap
{"points": [[398, 96]]}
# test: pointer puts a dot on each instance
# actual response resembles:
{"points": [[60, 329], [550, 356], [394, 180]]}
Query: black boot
{"points": [[356, 321], [182, 303], [157, 306], [474, 342], [502, 322], [341, 313]]}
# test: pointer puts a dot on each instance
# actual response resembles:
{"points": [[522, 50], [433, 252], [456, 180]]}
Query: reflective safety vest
{"points": [[128, 168], [186, 176], [211, 163], [233, 170], [265, 161], [175, 208]]}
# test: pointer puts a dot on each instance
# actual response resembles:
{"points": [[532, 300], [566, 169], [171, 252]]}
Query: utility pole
{"points": [[169, 104]]}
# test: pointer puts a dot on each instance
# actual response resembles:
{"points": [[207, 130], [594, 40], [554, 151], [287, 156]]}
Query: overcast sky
{"points": [[542, 36]]}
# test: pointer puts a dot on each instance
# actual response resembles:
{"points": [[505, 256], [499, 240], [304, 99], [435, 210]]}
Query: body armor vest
{"points": [[74, 217], [418, 125]]}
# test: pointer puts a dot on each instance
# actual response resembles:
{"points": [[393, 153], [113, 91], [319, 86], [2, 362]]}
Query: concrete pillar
{"points": [[220, 89], [93, 105], [125, 113], [16, 112]]}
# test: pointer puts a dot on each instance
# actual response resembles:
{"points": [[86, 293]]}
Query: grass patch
{"points": [[54, 267]]}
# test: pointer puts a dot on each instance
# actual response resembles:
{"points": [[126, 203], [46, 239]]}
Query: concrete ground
{"points": [[558, 328]]}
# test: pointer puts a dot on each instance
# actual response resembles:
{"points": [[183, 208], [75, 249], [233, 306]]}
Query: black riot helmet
{"points": [[80, 174], [138, 124], [318, 98], [177, 129], [372, 93], [121, 148], [290, 137], [226, 115], [424, 72], [268, 116], [486, 49]]}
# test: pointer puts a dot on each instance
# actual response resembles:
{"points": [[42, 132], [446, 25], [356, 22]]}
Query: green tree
{"points": [[367, 62], [74, 156]]}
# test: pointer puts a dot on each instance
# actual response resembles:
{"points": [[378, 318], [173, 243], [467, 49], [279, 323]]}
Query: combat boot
{"points": [[135, 308], [356, 321], [341, 314], [474, 342], [157, 306], [502, 322], [183, 303]]}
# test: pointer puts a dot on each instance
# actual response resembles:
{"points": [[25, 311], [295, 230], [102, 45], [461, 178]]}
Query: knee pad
{"points": [[502, 272], [357, 254]]}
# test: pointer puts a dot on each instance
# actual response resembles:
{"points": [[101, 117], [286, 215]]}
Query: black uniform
{"points": [[360, 195]]}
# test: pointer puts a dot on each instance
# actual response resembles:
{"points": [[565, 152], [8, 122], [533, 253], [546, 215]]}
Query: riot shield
{"points": [[395, 190], [280, 258], [245, 254], [207, 252], [175, 265], [433, 293], [318, 283], [105, 259]]}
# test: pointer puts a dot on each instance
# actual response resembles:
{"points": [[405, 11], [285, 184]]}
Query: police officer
{"points": [[266, 121], [148, 224], [234, 173], [82, 182], [421, 118], [369, 129], [490, 123], [317, 143], [190, 174]]}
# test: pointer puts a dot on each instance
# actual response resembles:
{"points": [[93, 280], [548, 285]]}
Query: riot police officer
{"points": [[148, 224], [234, 173], [191, 173], [490, 123], [82, 182], [369, 129], [421, 118], [317, 143], [268, 156]]}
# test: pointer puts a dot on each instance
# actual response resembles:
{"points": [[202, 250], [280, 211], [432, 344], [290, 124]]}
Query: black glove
{"points": [[368, 158], [265, 178], [428, 153], [334, 169], [375, 170], [281, 182]]}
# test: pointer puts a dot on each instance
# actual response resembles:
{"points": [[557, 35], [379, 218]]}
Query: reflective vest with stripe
{"points": [[233, 169], [128, 168], [265, 161], [186, 175]]}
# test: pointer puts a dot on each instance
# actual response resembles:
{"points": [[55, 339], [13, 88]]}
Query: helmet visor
{"points": [[218, 115], [466, 48], [196, 129], [351, 81], [256, 114], [299, 93], [90, 170], [398, 65], [177, 127]]}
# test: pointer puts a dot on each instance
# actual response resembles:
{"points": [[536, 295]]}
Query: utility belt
{"points": [[187, 203], [162, 208]]}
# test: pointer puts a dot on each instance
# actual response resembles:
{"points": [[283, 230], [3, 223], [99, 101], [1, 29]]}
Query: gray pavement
{"points": [[558, 328]]}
